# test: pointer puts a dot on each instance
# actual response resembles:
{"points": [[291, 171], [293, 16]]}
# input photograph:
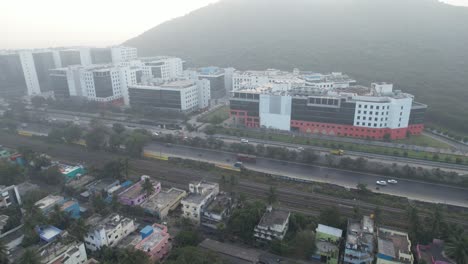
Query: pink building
{"points": [[433, 253], [156, 244], [135, 195]]}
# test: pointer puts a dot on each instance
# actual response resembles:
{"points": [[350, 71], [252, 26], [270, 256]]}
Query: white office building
{"points": [[179, 95], [162, 67], [107, 231]]}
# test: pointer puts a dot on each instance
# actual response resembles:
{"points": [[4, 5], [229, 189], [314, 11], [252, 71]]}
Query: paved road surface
{"points": [[406, 188]]}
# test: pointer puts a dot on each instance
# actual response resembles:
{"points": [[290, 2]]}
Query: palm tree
{"points": [[148, 187], [437, 221], [3, 254], [457, 249], [29, 257]]}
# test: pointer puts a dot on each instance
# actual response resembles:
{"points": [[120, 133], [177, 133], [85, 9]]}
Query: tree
{"points": [[38, 101], [59, 218], [362, 189], [331, 217], [437, 222], [457, 248], [272, 195], [135, 143], [243, 220], [378, 215], [3, 253], [193, 255], [96, 138], [118, 128], [72, 133], [148, 187], [79, 228], [52, 176], [187, 238], [303, 245], [29, 257], [415, 223]]}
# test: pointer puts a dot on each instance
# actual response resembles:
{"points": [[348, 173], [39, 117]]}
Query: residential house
{"points": [[433, 253], [327, 240], [360, 241], [217, 211], [107, 231], [200, 193], [155, 242], [273, 225], [135, 195], [393, 247], [9, 195], [164, 202], [63, 252]]}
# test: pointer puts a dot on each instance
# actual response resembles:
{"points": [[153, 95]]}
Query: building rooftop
{"points": [[433, 253], [179, 84], [332, 231], [97, 222], [220, 203], [274, 217], [391, 243], [49, 201], [159, 233], [163, 199], [53, 250]]}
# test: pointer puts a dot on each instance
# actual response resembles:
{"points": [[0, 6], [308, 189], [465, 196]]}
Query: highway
{"points": [[84, 120], [414, 190]]}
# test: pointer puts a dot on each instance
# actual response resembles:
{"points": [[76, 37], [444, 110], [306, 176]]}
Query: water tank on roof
{"points": [[146, 231]]}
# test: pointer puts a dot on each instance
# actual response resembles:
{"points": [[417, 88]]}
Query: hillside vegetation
{"points": [[419, 45]]}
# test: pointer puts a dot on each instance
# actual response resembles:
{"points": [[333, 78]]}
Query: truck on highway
{"points": [[246, 158], [338, 152]]}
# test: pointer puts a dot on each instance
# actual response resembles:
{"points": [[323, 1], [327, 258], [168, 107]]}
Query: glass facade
{"points": [[12, 82]]}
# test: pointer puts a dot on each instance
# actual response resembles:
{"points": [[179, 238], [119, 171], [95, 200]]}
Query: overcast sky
{"points": [[51, 23]]}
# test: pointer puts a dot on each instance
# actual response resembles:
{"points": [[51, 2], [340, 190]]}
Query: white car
{"points": [[243, 140], [300, 148], [392, 181], [381, 183]]}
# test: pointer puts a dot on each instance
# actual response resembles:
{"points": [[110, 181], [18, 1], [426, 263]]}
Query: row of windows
{"points": [[376, 107], [375, 118]]}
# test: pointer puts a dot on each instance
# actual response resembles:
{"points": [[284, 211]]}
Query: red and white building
{"points": [[156, 244]]}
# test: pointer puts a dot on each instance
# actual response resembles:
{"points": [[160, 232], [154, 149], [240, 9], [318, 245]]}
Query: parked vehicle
{"points": [[392, 181]]}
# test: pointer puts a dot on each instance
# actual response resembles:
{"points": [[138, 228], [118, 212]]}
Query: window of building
{"points": [[365, 106], [371, 107]]}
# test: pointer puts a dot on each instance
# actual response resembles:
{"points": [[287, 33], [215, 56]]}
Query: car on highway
{"points": [[300, 148], [381, 183], [243, 140], [392, 181]]}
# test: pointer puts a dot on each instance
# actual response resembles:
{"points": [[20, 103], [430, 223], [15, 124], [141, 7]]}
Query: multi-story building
{"points": [[178, 95], [165, 201], [393, 247], [200, 194], [9, 195], [360, 241], [327, 240], [155, 242], [12, 76], [105, 83], [36, 65], [162, 67], [108, 231], [374, 112], [47, 203], [273, 225], [63, 252], [217, 211], [135, 194], [75, 56], [216, 77]]}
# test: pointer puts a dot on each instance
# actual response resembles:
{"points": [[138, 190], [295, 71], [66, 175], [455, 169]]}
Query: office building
{"points": [[178, 95], [162, 67], [375, 112], [12, 77], [216, 77]]}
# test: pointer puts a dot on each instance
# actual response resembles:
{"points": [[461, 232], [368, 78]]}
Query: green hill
{"points": [[419, 45]]}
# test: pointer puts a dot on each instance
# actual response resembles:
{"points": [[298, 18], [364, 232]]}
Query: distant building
{"points": [[393, 247], [71, 171], [217, 211], [273, 225], [155, 242], [75, 56], [360, 241], [216, 77], [323, 104], [164, 202], [48, 233], [135, 195], [328, 243], [162, 67], [107, 231], [179, 95], [63, 252], [98, 187], [433, 253], [9, 195], [200, 193], [12, 76]]}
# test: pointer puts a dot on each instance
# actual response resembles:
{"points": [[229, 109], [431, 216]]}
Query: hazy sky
{"points": [[50, 23]]}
